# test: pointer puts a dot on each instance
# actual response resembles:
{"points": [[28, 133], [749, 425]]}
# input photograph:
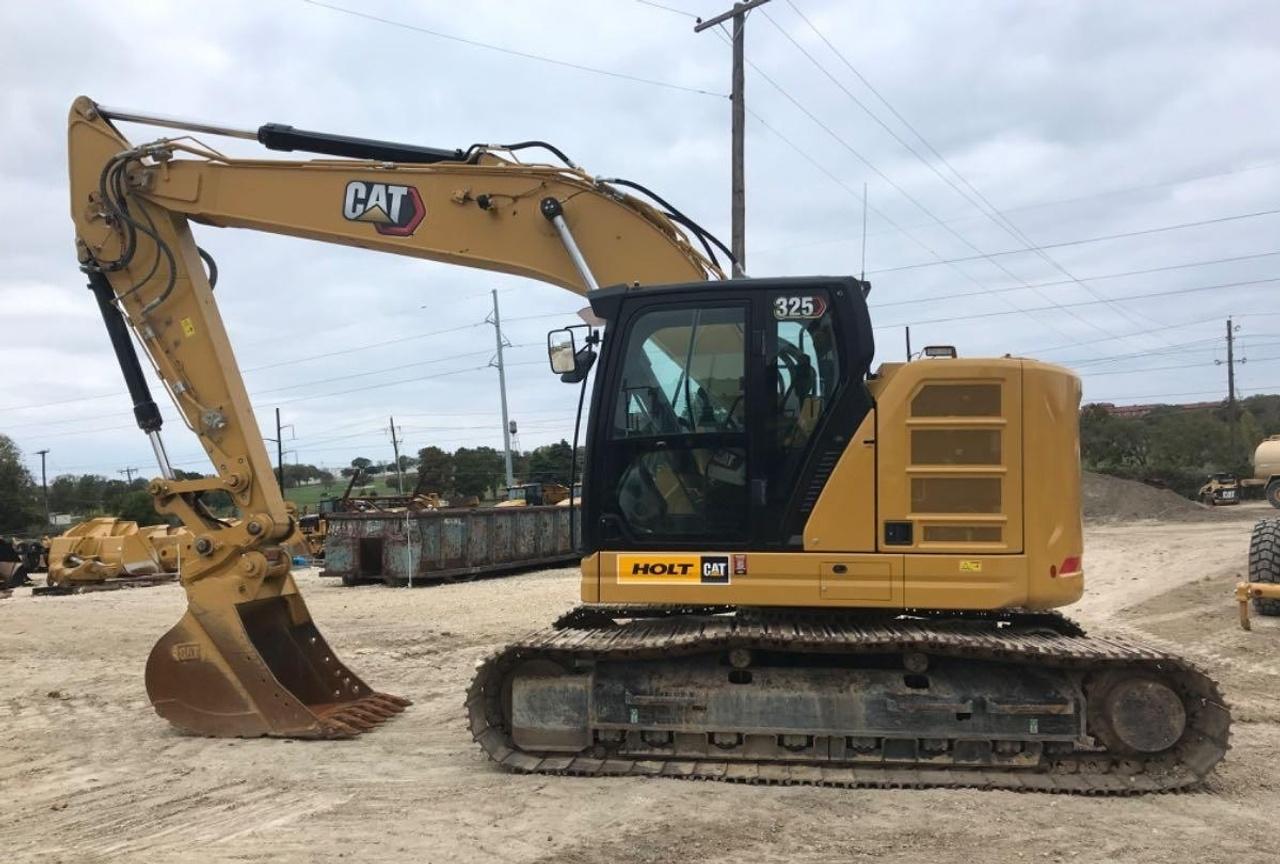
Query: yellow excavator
{"points": [[797, 568]]}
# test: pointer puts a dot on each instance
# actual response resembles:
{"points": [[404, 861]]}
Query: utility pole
{"points": [[496, 321], [279, 440], [128, 473], [738, 194], [44, 485], [279, 452], [1233, 415], [395, 448]]}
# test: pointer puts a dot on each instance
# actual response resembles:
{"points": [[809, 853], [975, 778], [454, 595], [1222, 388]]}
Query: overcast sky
{"points": [[999, 127]]}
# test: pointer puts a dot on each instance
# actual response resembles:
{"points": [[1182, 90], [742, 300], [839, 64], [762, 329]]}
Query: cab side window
{"points": [[806, 369], [678, 434]]}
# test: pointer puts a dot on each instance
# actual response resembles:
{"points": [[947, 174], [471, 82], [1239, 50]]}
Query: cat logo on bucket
{"points": [[674, 569], [393, 210]]}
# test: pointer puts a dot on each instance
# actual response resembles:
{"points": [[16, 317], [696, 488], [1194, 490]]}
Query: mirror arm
{"points": [[584, 359]]}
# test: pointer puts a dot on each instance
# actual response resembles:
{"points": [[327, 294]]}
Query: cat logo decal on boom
{"points": [[393, 210], [674, 569]]}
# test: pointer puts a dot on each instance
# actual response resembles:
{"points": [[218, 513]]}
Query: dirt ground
{"points": [[89, 774]]}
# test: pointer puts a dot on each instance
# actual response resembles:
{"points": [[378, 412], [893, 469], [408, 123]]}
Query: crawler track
{"points": [[1034, 641]]}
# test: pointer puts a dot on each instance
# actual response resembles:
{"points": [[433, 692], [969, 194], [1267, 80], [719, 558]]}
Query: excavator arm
{"points": [[246, 659]]}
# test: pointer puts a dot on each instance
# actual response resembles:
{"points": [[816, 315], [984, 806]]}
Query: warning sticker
{"points": [[970, 566], [674, 569], [188, 328]]}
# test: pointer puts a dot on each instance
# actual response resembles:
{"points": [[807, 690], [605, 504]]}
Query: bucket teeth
{"points": [[392, 703], [349, 719], [335, 728], [368, 715], [375, 711]]}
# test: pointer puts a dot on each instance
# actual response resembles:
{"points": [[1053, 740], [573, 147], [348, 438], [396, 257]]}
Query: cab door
{"points": [[672, 458]]}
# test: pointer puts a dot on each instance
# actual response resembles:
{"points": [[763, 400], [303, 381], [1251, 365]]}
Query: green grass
{"points": [[309, 496]]}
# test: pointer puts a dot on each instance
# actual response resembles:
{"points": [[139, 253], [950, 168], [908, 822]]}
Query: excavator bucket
{"points": [[259, 668]]}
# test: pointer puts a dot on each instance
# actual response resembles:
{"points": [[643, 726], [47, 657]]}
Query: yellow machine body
{"points": [[979, 457]]}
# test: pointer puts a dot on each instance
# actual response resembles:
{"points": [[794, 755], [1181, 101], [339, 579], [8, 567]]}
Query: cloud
{"points": [[1043, 107]]}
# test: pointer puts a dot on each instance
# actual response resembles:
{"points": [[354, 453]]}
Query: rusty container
{"points": [[408, 547]]}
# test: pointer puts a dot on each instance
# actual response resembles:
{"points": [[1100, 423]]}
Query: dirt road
{"points": [[89, 774]]}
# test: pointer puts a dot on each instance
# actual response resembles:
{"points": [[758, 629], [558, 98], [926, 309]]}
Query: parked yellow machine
{"points": [[107, 550], [797, 567], [1220, 488], [535, 495]]}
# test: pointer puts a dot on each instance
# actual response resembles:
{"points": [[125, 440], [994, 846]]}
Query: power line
{"points": [[401, 381], [667, 8], [1257, 391], [1170, 368], [1094, 278], [977, 199], [1179, 348], [912, 199], [1211, 345], [1085, 240], [311, 396], [366, 346], [386, 369], [1038, 205], [257, 393], [375, 436], [1039, 350], [624, 76], [755, 115], [1076, 303]]}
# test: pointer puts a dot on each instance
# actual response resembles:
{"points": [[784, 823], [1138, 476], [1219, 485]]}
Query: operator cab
{"points": [[719, 409]]}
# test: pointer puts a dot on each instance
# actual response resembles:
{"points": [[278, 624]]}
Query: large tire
{"points": [[1264, 561], [1273, 494]]}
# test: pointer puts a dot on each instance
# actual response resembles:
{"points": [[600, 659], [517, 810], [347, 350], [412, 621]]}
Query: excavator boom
{"points": [[246, 658]]}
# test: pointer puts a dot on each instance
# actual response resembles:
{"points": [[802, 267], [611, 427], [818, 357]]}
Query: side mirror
{"points": [[569, 361], [562, 351]]}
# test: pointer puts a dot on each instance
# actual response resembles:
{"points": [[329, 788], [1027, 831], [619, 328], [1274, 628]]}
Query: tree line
{"points": [[1171, 445], [1176, 446], [473, 471], [464, 472]]}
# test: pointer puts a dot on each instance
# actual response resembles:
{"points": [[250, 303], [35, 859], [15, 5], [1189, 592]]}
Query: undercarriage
{"points": [[1005, 700]]}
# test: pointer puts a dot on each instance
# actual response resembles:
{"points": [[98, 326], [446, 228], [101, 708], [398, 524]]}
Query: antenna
{"points": [[862, 277]]}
